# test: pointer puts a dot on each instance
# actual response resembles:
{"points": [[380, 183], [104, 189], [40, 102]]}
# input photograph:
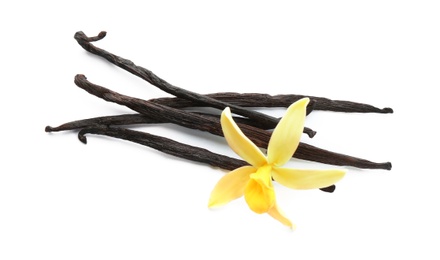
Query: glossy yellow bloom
{"points": [[255, 181]]}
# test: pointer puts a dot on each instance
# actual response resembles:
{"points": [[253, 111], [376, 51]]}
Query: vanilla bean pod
{"points": [[164, 114], [153, 79], [127, 119], [242, 99], [283, 100], [168, 146], [221, 100], [165, 145]]}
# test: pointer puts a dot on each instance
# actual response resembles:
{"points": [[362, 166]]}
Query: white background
{"points": [[111, 199]]}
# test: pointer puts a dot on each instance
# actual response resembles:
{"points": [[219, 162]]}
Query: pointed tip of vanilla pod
{"points": [[82, 138], [388, 166], [387, 110], [80, 35], [310, 133], [102, 34], [48, 129], [329, 189], [80, 76], [383, 166]]}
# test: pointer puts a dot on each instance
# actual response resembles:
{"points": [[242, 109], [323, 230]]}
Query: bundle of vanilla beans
{"points": [[254, 125]]}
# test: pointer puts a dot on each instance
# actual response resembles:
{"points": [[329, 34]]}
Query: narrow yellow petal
{"points": [[277, 214], [259, 193], [286, 135], [231, 186], [306, 179], [241, 145]]}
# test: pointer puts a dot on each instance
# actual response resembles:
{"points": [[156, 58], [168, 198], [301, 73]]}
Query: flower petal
{"points": [[286, 135], [259, 193], [277, 214], [231, 186], [306, 179], [241, 145]]}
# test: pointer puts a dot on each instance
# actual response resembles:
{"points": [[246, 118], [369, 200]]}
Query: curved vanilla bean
{"points": [[168, 146], [165, 145], [222, 100], [162, 114], [284, 100], [153, 79], [183, 118]]}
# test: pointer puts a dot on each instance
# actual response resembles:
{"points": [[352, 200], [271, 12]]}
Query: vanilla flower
{"points": [[255, 181]]}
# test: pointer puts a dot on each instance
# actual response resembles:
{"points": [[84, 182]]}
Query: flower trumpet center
{"points": [[259, 193]]}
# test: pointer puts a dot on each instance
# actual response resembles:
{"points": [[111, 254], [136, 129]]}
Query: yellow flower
{"points": [[255, 181]]}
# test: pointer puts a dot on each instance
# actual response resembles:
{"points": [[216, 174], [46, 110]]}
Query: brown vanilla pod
{"points": [[187, 119], [149, 76], [171, 147]]}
